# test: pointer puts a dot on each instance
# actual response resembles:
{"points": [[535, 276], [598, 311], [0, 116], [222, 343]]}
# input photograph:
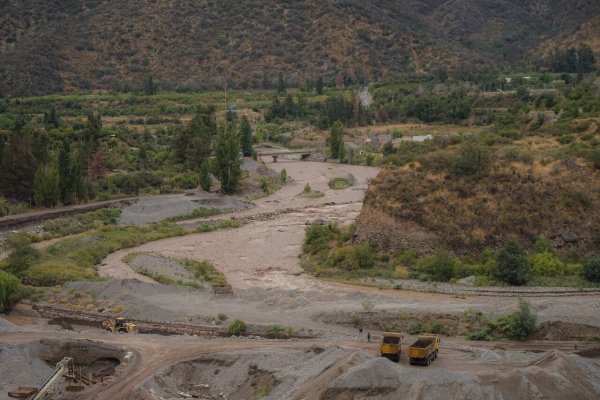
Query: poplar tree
{"points": [[227, 159]]}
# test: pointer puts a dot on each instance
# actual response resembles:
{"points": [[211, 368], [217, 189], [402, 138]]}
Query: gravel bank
{"points": [[151, 209]]}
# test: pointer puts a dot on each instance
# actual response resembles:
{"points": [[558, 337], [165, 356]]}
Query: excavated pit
{"points": [[30, 364]]}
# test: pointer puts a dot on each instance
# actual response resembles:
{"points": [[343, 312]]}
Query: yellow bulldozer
{"points": [[119, 325]]}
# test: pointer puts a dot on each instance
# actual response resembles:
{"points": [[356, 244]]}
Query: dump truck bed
{"points": [[424, 350]]}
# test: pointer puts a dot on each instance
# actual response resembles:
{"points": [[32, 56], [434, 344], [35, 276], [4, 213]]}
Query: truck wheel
{"points": [[428, 360]]}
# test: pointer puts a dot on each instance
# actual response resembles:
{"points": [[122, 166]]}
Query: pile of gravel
{"points": [[151, 209], [159, 265], [20, 365], [7, 326]]}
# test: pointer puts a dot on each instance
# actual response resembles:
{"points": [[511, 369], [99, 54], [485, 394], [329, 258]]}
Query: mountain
{"points": [[60, 45]]}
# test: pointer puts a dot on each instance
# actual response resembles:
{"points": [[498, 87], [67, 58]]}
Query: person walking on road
{"points": [[368, 337]]}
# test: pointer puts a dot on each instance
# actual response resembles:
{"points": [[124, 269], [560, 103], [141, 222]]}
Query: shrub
{"points": [[473, 159], [283, 176], [222, 317], [22, 254], [439, 267], [518, 325], [591, 269], [276, 332], [237, 327], [512, 265], [594, 157], [546, 264], [339, 183], [485, 333], [317, 238], [9, 290], [56, 273]]}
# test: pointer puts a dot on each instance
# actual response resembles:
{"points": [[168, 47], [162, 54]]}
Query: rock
{"points": [[570, 237], [468, 281], [318, 221]]}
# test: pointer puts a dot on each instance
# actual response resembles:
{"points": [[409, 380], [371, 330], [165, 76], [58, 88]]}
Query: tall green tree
{"points": [[281, 85], [246, 137], [192, 144], [227, 159], [585, 59], [149, 86], [336, 140], [18, 167], [52, 119], [512, 265], [46, 187], [320, 86]]}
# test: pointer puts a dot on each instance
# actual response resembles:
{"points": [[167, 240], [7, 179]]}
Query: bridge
{"points": [[304, 154]]}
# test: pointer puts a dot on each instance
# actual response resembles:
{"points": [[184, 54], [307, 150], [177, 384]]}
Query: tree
{"points": [[320, 86], [512, 265], [520, 324], [591, 269], [18, 167], [281, 85], [52, 119], [227, 159], [585, 59], [472, 159], [205, 178], [246, 137], [9, 290], [46, 187], [192, 144], [336, 140], [149, 87]]}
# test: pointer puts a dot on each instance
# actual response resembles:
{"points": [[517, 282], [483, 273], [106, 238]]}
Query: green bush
{"points": [[283, 176], [547, 264], [518, 325], [22, 254], [339, 183], [9, 290], [591, 269], [54, 273], [512, 265], [472, 159], [439, 267], [276, 331], [484, 334], [237, 327], [317, 238]]}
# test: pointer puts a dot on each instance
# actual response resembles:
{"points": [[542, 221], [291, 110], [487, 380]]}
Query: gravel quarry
{"points": [[260, 259], [338, 373]]}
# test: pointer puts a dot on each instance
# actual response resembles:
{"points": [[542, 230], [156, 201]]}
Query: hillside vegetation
{"points": [[52, 46]]}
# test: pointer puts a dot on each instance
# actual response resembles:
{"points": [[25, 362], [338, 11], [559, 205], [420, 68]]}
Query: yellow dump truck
{"points": [[424, 350], [390, 345]]}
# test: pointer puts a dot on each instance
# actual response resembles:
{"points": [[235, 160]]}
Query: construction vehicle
{"points": [[424, 350], [390, 345], [119, 325]]}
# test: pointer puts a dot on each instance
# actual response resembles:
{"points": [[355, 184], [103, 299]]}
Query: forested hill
{"points": [[57, 45]]}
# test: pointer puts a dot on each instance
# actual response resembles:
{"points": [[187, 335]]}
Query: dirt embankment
{"points": [[423, 210]]}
